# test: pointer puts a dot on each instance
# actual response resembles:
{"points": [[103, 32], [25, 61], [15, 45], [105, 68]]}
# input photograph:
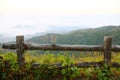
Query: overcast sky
{"points": [[33, 16]]}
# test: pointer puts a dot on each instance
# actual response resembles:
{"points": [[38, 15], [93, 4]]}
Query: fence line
{"points": [[107, 48]]}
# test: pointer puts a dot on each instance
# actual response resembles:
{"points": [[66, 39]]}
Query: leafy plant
{"points": [[9, 69]]}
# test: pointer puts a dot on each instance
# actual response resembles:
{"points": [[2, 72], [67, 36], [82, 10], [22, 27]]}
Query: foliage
{"points": [[9, 69]]}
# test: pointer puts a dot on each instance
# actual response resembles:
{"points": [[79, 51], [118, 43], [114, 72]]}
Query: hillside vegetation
{"points": [[89, 36]]}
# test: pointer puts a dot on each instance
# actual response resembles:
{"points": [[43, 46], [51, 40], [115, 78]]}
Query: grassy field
{"points": [[48, 72]]}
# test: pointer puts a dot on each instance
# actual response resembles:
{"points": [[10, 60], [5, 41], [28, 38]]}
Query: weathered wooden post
{"points": [[107, 49], [20, 50]]}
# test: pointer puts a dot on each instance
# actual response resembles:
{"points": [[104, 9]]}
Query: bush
{"points": [[9, 70]]}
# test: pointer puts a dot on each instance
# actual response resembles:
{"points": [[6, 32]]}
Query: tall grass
{"points": [[53, 73]]}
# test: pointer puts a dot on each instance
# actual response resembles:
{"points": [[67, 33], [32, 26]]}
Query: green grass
{"points": [[47, 72], [56, 58]]}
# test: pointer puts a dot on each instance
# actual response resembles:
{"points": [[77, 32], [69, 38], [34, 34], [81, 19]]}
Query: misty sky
{"points": [[32, 16]]}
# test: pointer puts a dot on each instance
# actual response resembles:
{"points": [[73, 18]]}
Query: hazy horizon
{"points": [[35, 16]]}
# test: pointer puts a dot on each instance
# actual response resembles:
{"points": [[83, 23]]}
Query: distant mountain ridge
{"points": [[91, 36], [51, 29]]}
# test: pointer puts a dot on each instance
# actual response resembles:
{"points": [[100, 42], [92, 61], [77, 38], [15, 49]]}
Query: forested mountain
{"points": [[89, 36]]}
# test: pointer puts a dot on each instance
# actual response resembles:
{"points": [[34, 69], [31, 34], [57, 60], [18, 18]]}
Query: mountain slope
{"points": [[91, 36]]}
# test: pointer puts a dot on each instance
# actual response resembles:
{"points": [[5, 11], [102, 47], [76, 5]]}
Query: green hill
{"points": [[83, 36]]}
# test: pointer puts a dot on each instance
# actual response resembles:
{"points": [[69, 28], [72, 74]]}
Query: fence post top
{"points": [[107, 36], [20, 36]]}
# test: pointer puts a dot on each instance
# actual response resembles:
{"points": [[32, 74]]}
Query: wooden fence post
{"points": [[107, 49], [20, 50]]}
